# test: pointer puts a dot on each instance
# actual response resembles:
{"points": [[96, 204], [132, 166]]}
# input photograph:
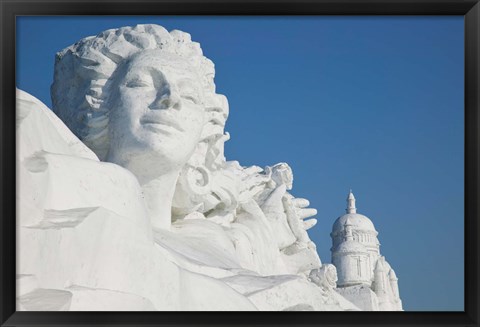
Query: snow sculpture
{"points": [[136, 97], [325, 276], [84, 238], [149, 215], [364, 276]]}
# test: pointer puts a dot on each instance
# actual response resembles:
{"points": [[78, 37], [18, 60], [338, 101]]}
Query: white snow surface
{"points": [[85, 241]]}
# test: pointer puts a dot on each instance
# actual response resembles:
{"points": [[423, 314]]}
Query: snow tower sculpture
{"points": [[364, 276]]}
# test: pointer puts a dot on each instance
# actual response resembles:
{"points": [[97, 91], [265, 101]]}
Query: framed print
{"points": [[184, 163]]}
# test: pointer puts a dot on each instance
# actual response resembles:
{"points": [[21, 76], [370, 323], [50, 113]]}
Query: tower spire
{"points": [[351, 203]]}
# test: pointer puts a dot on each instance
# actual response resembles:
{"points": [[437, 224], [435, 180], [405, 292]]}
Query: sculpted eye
{"points": [[138, 83], [190, 97], [189, 91]]}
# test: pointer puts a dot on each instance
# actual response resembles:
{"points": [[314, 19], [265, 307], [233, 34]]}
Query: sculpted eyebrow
{"points": [[187, 82]]}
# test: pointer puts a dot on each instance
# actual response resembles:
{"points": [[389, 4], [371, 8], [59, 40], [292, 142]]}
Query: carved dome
{"points": [[357, 221]]}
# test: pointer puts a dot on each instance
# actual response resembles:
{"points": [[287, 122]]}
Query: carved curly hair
{"points": [[84, 72]]}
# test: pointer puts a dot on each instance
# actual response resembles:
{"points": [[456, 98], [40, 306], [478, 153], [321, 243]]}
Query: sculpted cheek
{"points": [[194, 118]]}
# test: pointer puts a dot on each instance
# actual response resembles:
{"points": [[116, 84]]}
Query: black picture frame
{"points": [[470, 9]]}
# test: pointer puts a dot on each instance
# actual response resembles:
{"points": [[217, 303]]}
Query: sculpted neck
{"points": [[157, 179], [158, 195]]}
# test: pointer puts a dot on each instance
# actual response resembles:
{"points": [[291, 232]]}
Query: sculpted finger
{"points": [[301, 203], [307, 224], [305, 213]]}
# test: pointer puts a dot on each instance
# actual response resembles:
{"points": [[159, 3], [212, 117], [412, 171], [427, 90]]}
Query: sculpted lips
{"points": [[158, 122]]}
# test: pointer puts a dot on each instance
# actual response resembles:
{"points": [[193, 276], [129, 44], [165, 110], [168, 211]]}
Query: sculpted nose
{"points": [[166, 100]]}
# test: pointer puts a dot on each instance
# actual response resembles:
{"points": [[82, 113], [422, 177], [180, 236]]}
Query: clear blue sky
{"points": [[369, 103]]}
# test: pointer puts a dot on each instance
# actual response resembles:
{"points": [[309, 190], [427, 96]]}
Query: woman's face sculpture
{"points": [[157, 114]]}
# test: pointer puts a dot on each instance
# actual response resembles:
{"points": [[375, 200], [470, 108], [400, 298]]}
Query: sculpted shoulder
{"points": [[41, 130], [66, 174]]}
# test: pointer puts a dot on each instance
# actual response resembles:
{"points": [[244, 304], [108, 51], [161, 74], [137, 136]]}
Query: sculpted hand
{"points": [[300, 206], [289, 213], [296, 212], [274, 210], [302, 254]]}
